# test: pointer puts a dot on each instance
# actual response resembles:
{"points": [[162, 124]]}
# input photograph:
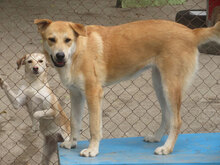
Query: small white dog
{"points": [[41, 103]]}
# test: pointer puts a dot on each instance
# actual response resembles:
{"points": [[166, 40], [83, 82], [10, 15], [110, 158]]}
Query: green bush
{"points": [[145, 3]]}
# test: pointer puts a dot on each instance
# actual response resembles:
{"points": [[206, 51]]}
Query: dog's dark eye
{"points": [[29, 61], [40, 61], [67, 40], [52, 39]]}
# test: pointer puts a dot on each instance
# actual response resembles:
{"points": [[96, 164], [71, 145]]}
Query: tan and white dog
{"points": [[88, 58], [41, 103]]}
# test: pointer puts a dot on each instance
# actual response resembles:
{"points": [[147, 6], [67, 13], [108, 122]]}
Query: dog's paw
{"points": [[163, 150], [37, 115], [68, 144], [151, 139], [1, 82], [89, 152], [35, 128]]}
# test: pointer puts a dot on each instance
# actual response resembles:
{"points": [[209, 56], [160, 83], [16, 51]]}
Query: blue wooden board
{"points": [[203, 148]]}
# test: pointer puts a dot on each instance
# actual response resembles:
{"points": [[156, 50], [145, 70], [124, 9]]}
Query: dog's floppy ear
{"points": [[42, 23], [21, 61], [78, 28]]}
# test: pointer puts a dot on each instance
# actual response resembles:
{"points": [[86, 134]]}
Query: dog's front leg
{"points": [[94, 96], [77, 106], [45, 114], [17, 100]]}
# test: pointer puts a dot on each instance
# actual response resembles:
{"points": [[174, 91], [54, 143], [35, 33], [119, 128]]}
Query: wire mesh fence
{"points": [[130, 108]]}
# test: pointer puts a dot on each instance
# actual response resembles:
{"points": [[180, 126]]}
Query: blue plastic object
{"points": [[203, 148]]}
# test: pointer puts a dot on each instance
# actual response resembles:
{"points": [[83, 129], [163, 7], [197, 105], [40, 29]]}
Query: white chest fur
{"points": [[38, 99], [71, 79]]}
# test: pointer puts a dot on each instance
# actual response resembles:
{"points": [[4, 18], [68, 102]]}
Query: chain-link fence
{"points": [[129, 108]]}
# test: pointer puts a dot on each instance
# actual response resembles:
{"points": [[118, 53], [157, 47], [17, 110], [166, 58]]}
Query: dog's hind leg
{"points": [[157, 84], [174, 93], [50, 146], [175, 75]]}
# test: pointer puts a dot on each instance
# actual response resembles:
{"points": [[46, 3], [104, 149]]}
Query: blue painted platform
{"points": [[203, 148]]}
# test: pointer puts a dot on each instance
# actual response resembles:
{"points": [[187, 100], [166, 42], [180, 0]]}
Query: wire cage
{"points": [[130, 108]]}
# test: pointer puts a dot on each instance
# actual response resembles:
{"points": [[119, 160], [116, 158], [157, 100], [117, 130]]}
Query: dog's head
{"points": [[35, 63], [59, 39]]}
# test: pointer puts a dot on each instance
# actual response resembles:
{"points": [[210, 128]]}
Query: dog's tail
{"points": [[208, 34]]}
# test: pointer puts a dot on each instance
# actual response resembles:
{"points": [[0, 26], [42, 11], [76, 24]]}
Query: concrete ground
{"points": [[130, 108]]}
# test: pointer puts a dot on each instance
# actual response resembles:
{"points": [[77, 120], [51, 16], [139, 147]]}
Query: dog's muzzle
{"points": [[60, 60], [35, 70]]}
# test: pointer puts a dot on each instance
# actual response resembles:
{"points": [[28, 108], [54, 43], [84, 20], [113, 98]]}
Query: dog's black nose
{"points": [[60, 56], [35, 68]]}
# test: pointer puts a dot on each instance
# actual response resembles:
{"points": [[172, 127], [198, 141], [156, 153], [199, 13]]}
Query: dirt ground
{"points": [[130, 108]]}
